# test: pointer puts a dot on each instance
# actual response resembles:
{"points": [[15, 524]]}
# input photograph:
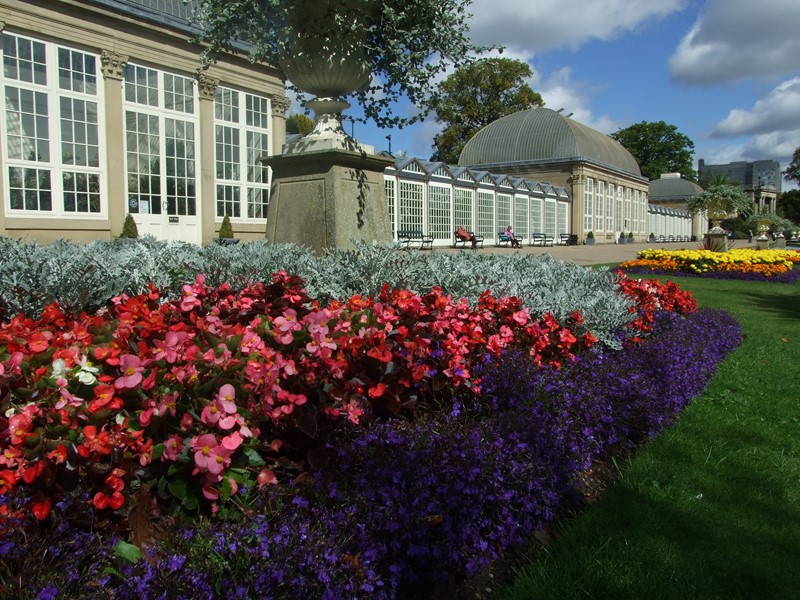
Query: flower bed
{"points": [[376, 446], [739, 263]]}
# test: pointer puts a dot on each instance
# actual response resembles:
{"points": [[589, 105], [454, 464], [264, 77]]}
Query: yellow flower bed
{"points": [[745, 260]]}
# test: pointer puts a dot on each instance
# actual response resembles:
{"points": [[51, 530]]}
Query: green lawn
{"points": [[711, 509]]}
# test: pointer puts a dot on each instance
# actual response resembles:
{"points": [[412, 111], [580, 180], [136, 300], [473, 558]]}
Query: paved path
{"points": [[589, 255]]}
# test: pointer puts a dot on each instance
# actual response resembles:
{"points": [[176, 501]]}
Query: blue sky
{"points": [[725, 72]]}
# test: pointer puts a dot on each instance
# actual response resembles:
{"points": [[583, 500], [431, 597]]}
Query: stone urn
{"points": [[323, 53]]}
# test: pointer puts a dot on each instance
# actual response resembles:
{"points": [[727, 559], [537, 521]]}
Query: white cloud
{"points": [[777, 111], [559, 90], [528, 27], [738, 39]]}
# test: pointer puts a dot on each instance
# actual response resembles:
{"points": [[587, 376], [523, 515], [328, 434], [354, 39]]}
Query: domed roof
{"points": [[672, 187], [544, 135]]}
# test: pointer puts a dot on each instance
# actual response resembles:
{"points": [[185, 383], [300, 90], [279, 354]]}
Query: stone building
{"points": [[760, 179], [609, 194], [103, 114], [668, 196]]}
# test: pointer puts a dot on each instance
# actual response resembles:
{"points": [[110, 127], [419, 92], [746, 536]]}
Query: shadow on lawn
{"points": [[783, 305]]}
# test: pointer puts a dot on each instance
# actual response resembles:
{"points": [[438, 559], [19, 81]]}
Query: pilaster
{"points": [[206, 87], [113, 70], [280, 104]]}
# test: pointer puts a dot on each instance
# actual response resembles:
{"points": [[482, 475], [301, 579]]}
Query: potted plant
{"points": [[630, 237], [652, 237], [589, 239], [226, 233], [129, 229], [622, 237], [353, 48]]}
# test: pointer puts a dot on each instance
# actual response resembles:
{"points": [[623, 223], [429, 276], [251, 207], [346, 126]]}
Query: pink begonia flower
{"points": [[284, 325], [190, 293], [219, 461], [232, 442], [202, 446], [18, 427], [212, 493], [266, 477], [131, 368], [219, 355], [251, 342], [186, 422], [209, 455], [226, 396], [172, 448], [354, 411], [234, 485]]}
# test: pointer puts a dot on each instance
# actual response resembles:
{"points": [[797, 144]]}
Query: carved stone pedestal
{"points": [[327, 199], [717, 242]]}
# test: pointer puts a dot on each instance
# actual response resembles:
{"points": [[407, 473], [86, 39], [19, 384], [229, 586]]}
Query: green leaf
{"points": [[128, 552], [254, 458], [178, 488]]}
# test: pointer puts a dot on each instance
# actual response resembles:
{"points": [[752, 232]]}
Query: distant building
{"points": [[761, 179], [609, 194], [669, 194]]}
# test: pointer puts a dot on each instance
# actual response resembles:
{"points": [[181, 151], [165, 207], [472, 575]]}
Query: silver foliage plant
{"points": [[85, 276]]}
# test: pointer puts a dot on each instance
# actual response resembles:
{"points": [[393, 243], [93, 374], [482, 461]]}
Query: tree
{"points": [[658, 148], [408, 44], [299, 123], [789, 206], [477, 94], [792, 172]]}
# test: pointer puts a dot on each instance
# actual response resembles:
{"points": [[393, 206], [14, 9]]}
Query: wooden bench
{"points": [[503, 239], [460, 243], [541, 239], [412, 237]]}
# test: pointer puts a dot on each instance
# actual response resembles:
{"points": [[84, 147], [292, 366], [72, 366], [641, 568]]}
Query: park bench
{"points": [[503, 239], [541, 239], [461, 243], [411, 237], [568, 239]]}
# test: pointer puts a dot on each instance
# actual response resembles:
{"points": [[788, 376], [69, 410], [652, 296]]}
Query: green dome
{"points": [[541, 135], [672, 187]]}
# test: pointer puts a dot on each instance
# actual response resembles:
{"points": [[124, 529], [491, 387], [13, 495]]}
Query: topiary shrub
{"points": [[225, 230], [129, 229]]}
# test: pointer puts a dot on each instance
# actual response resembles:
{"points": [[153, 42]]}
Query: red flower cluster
{"points": [[650, 295], [213, 391]]}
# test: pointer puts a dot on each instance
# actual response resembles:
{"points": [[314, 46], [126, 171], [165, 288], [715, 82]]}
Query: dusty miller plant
{"points": [[85, 276]]}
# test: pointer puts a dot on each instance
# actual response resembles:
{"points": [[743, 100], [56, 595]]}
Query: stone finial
{"points": [[113, 64], [280, 104], [206, 86]]}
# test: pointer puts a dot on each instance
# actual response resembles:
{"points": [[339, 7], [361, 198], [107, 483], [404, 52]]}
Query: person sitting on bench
{"points": [[463, 234], [509, 233]]}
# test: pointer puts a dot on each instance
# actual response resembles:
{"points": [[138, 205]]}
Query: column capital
{"points": [[280, 104], [113, 64], [206, 86]]}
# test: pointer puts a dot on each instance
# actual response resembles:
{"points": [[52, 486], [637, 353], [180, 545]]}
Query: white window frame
{"points": [[156, 107], [55, 165], [241, 183]]}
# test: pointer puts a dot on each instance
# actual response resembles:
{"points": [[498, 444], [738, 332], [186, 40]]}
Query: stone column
{"points": [[280, 104], [578, 182], [113, 68], [208, 194]]}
